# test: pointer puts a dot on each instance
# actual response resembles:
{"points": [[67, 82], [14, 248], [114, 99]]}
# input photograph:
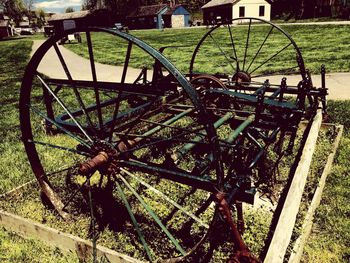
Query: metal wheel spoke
{"points": [[72, 195], [126, 62], [115, 114], [59, 171], [166, 198], [134, 221], [285, 47], [153, 215], [76, 92], [64, 108], [261, 46], [222, 52], [94, 79], [285, 71], [38, 112], [233, 47], [247, 43], [59, 147]]}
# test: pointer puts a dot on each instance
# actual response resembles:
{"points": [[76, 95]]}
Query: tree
{"points": [[14, 9], [40, 13], [69, 9]]}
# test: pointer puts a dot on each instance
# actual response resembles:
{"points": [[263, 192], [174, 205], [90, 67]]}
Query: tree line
{"points": [[286, 9]]}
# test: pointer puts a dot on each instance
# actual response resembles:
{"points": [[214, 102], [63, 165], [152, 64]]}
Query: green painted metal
{"points": [[234, 134], [37, 111], [187, 147], [170, 121], [153, 215], [134, 221], [156, 191]]}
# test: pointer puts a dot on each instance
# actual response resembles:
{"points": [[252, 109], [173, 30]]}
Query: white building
{"points": [[227, 10]]}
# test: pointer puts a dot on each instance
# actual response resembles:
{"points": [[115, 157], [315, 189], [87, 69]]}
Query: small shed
{"points": [[147, 17], [176, 16], [226, 10], [80, 19]]}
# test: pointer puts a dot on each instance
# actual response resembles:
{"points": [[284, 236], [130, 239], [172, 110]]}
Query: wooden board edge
{"points": [[286, 221], [298, 247], [67, 242]]}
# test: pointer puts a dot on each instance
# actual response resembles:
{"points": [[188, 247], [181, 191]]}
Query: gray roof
{"points": [[213, 3], [71, 15]]}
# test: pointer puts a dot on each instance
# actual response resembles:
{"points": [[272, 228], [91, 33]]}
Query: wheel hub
{"points": [[242, 77]]}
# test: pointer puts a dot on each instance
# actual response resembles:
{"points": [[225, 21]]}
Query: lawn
{"points": [[331, 234], [318, 45]]}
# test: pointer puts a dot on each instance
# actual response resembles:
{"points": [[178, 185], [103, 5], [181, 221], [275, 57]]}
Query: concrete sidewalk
{"points": [[79, 67]]}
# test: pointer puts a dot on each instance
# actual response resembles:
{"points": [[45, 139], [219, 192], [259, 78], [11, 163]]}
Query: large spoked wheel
{"points": [[143, 148], [247, 52]]}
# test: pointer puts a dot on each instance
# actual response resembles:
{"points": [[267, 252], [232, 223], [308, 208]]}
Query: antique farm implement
{"points": [[166, 155]]}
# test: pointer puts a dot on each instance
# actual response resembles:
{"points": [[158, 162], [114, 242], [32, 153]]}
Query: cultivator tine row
{"points": [[203, 142]]}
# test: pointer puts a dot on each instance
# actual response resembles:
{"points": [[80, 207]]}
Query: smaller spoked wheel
{"points": [[144, 156], [246, 53]]}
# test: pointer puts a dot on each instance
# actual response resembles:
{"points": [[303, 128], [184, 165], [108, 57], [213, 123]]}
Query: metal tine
{"points": [[165, 197], [65, 108], [153, 215]]}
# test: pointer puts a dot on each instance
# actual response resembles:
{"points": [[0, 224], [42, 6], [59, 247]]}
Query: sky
{"points": [[57, 6]]}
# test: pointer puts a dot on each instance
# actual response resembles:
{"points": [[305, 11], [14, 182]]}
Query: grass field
{"points": [[318, 45], [331, 233]]}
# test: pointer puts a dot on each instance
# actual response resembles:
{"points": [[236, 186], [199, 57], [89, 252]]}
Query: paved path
{"points": [[337, 83]]}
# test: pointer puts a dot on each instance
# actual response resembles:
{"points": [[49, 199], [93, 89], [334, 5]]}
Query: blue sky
{"points": [[57, 6]]}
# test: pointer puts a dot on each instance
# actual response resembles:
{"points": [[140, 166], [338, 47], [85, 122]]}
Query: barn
{"points": [[226, 10], [80, 19], [158, 16], [176, 16], [147, 17]]}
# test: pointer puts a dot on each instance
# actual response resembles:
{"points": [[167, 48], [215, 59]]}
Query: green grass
{"points": [[317, 43], [16, 249]]}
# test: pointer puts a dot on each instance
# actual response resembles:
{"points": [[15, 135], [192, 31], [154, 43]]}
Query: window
{"points": [[262, 10], [241, 11]]}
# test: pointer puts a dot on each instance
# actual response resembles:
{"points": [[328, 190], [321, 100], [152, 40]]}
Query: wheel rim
{"points": [[81, 132], [246, 53]]}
